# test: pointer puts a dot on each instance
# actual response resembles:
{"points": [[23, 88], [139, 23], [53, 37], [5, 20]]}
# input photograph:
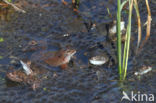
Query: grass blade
{"points": [[123, 3], [119, 38], [128, 39]]}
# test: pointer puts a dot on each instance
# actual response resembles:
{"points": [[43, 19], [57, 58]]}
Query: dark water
{"points": [[81, 82]]}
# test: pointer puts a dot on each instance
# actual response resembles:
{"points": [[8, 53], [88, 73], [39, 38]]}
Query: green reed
{"points": [[127, 42], [123, 62], [119, 38], [76, 4]]}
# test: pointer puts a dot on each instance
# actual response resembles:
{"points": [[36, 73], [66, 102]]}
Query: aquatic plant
{"points": [[1, 39], [10, 0], [123, 62], [119, 37]]}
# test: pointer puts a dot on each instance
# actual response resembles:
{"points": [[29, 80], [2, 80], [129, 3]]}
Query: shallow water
{"points": [[81, 82]]}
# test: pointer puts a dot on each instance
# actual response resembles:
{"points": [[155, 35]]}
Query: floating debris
{"points": [[66, 35], [98, 60], [26, 67], [143, 70], [14, 6]]}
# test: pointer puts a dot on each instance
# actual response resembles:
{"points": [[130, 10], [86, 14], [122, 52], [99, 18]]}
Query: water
{"points": [[81, 82]]}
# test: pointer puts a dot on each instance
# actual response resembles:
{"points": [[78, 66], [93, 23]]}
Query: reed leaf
{"points": [[127, 42], [123, 3], [119, 38], [148, 28], [139, 24]]}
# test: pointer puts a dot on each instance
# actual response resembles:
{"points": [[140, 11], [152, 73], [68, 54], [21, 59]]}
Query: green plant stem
{"points": [[119, 38], [77, 2], [125, 49], [128, 37]]}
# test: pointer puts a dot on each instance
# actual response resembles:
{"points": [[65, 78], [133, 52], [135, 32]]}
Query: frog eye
{"points": [[59, 55]]}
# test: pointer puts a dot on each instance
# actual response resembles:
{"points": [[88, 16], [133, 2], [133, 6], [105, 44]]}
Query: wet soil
{"points": [[82, 82]]}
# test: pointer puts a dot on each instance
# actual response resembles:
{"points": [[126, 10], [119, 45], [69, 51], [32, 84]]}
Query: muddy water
{"points": [[61, 27]]}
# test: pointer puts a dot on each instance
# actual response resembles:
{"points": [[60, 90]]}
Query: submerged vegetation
{"points": [[123, 62]]}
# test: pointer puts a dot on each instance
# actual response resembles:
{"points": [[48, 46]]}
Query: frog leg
{"points": [[64, 66]]}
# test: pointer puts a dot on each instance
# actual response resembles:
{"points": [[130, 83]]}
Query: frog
{"points": [[34, 72], [30, 74], [53, 58], [99, 60], [60, 58], [112, 31], [99, 57]]}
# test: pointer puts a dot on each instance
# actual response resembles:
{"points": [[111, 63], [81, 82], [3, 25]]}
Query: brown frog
{"points": [[60, 58], [32, 72], [29, 76], [21, 77]]}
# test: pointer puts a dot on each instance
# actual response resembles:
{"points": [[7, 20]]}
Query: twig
{"points": [[15, 7]]}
